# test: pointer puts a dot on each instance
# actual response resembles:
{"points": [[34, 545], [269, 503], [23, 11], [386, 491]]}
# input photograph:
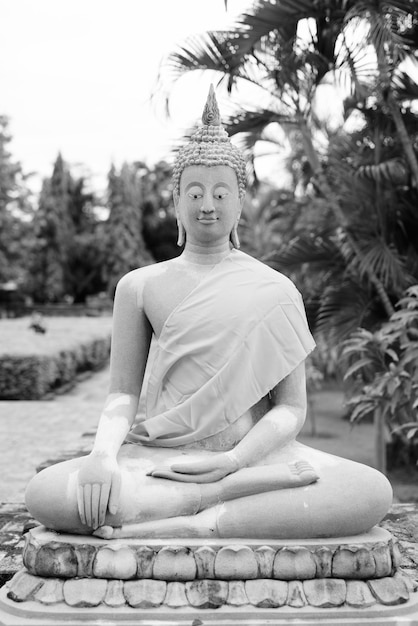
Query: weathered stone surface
{"points": [[353, 562], [174, 563], [85, 554], [56, 559], [359, 595], [396, 554], [265, 559], [390, 591], [236, 593], [411, 583], [51, 591], [383, 560], [296, 563], [295, 594], [118, 562], [145, 561], [323, 557], [84, 592], [114, 594], [145, 593], [236, 562], [266, 593], [29, 553], [205, 562], [325, 592], [176, 595], [23, 586], [207, 594]]}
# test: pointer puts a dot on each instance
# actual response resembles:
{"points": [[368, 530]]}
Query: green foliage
{"points": [[384, 367], [15, 213], [68, 251], [125, 247], [159, 221], [31, 365]]}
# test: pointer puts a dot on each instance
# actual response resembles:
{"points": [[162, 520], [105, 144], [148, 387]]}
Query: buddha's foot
{"points": [[109, 532], [301, 473]]}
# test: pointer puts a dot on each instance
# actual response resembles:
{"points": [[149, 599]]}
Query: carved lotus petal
{"points": [[353, 562], [207, 594], [176, 595], [266, 594], [325, 592], [236, 562], [118, 562], [145, 594], [205, 562], [174, 563], [296, 563], [56, 559]]}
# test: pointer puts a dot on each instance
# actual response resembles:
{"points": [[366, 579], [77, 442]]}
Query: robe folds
{"points": [[239, 332]]}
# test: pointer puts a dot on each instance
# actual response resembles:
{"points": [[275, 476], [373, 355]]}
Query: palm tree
{"points": [[263, 49]]}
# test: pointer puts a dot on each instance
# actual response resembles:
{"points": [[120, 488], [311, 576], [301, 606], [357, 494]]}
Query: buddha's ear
{"points": [[176, 198], [241, 200]]}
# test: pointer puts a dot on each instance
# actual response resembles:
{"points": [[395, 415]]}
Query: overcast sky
{"points": [[75, 77]]}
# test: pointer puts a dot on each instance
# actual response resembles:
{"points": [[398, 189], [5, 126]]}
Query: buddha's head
{"points": [[209, 181]]}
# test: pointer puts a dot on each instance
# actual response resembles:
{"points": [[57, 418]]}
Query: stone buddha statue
{"points": [[216, 342]]}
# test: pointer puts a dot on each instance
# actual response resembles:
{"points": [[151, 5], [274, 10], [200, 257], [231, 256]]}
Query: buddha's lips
{"points": [[205, 220]]}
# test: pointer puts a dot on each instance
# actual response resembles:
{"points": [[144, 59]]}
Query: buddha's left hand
{"points": [[206, 470]]}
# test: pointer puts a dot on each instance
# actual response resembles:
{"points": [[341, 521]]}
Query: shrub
{"points": [[384, 366], [31, 366]]}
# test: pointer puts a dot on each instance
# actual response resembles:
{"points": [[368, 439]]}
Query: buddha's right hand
{"points": [[98, 490]]}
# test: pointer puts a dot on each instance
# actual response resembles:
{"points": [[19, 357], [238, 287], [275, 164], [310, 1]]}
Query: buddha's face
{"points": [[209, 204]]}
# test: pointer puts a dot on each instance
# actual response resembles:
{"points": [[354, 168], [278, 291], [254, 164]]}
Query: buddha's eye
{"points": [[221, 194], [195, 195]]}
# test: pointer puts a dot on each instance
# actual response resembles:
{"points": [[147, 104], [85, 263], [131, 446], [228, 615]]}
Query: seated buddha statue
{"points": [[214, 343]]}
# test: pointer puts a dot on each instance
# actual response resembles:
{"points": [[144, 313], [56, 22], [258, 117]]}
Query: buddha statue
{"points": [[214, 341]]}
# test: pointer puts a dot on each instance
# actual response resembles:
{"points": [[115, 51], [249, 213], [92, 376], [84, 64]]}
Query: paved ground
{"points": [[33, 431]]}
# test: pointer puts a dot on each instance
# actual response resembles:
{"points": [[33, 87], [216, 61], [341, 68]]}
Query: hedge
{"points": [[31, 366]]}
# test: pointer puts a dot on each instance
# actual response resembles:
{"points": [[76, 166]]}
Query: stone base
{"points": [[86, 580], [372, 555], [33, 613]]}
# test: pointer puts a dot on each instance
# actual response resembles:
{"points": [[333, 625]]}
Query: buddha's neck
{"points": [[202, 255]]}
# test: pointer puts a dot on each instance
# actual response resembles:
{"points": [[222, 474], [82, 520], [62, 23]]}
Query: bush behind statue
{"points": [[384, 367], [30, 374]]}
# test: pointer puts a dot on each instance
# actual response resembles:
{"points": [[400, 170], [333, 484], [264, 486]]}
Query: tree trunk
{"points": [[404, 138]]}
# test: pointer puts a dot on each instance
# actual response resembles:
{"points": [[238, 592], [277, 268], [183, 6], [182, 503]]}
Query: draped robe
{"points": [[232, 339]]}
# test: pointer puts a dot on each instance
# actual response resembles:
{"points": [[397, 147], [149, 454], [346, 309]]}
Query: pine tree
{"points": [[125, 248], [14, 207], [54, 229]]}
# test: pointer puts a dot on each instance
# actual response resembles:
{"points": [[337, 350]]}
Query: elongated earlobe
{"points": [[181, 234], [234, 237]]}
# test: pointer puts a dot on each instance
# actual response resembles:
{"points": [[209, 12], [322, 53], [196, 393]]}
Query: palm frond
{"points": [[304, 249], [342, 309], [385, 262], [391, 172]]}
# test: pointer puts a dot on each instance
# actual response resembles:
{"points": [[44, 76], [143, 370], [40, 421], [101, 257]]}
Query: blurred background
{"points": [[321, 96]]}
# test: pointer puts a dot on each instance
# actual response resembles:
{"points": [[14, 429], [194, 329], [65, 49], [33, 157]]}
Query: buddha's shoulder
{"points": [[137, 280], [277, 280]]}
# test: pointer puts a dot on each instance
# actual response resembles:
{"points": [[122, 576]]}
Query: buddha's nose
{"points": [[207, 206]]}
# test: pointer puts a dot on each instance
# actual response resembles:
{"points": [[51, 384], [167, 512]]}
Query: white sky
{"points": [[75, 77]]}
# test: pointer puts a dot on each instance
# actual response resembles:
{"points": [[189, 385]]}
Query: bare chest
{"points": [[166, 291]]}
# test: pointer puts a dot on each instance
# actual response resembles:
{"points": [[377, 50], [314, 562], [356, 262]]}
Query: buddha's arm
{"points": [[99, 476], [279, 425], [275, 429]]}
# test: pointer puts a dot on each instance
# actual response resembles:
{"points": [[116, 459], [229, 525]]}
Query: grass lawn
{"points": [[62, 333]]}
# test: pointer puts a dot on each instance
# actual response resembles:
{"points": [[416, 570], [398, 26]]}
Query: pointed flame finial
{"points": [[211, 115], [210, 145]]}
